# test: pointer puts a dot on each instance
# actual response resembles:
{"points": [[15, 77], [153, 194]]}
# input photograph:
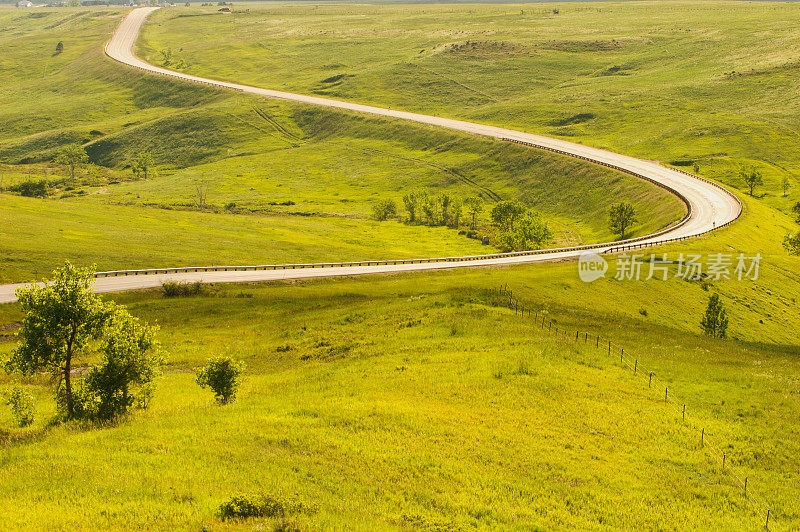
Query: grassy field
{"points": [[281, 182], [464, 416], [673, 81], [414, 401]]}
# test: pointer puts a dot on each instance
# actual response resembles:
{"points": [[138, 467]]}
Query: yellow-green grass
{"points": [[253, 157], [651, 80], [400, 406]]}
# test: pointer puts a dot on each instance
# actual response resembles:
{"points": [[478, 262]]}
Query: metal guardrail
{"points": [[629, 244]]}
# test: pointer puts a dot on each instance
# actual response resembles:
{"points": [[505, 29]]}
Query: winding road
{"points": [[709, 206]]}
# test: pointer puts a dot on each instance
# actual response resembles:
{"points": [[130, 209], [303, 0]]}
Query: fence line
{"points": [[759, 503]]}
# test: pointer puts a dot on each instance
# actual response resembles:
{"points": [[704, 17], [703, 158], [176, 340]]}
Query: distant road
{"points": [[709, 205]]}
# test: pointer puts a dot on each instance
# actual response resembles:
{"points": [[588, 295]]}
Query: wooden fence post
{"points": [[666, 388], [635, 365], [650, 384]]}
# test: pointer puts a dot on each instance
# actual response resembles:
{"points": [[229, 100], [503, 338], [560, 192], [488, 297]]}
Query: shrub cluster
{"points": [[245, 506], [181, 289], [31, 188]]}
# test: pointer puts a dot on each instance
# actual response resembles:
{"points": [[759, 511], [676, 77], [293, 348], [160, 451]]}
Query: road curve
{"points": [[709, 206]]}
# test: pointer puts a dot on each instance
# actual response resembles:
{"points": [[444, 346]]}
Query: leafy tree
{"points": [[696, 168], [129, 364], [796, 211], [71, 156], [456, 209], [443, 204], [505, 213], [532, 232], [792, 244], [223, 375], [620, 217], [413, 203], [427, 209], [59, 321], [141, 163], [64, 319], [384, 209], [474, 208], [59, 47], [752, 178], [715, 320], [785, 184]]}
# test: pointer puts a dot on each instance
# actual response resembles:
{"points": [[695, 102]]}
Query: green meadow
{"points": [[244, 179], [416, 401], [713, 83], [463, 416]]}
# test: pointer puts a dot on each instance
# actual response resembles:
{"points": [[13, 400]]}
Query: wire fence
{"points": [[629, 359]]}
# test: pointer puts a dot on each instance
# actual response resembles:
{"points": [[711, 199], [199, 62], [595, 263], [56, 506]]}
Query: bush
{"points": [[21, 406], [129, 363], [32, 189], [245, 506], [223, 375], [181, 289], [383, 210]]}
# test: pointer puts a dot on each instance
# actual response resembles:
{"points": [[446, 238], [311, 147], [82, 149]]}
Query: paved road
{"points": [[710, 205]]}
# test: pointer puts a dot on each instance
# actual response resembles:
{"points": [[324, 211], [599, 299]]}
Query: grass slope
{"points": [[464, 416], [673, 81], [248, 155]]}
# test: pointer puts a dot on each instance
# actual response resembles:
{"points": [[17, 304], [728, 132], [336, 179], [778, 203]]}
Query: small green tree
{"points": [[59, 47], [785, 184], [59, 321], [141, 164], [715, 319], [413, 202], [752, 178], [223, 375], [21, 406], [384, 209], [505, 213], [456, 210], [71, 156], [474, 209], [621, 216], [696, 168], [796, 211], [532, 232]]}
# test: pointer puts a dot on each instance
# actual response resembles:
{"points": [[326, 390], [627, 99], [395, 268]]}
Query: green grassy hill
{"points": [[671, 81], [416, 401], [459, 415], [281, 182]]}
